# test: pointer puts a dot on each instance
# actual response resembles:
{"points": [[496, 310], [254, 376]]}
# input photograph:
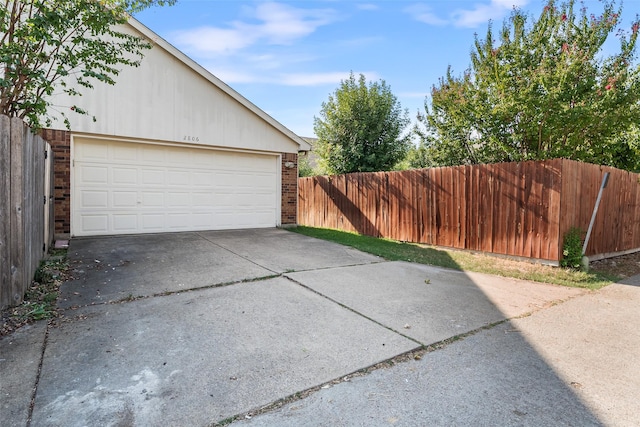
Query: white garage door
{"points": [[125, 188]]}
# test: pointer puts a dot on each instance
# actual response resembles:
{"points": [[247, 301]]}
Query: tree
{"points": [[419, 157], [543, 90], [361, 127], [304, 167], [50, 45]]}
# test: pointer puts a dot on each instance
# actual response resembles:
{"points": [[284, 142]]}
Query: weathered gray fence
{"points": [[26, 208]]}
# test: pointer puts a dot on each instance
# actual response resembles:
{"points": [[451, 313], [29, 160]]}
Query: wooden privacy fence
{"points": [[26, 208], [519, 209]]}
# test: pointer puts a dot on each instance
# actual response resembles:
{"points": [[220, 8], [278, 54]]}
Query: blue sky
{"points": [[288, 56]]}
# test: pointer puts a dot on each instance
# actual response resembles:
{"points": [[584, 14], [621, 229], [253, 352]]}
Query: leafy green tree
{"points": [[542, 89], [361, 128], [48, 45], [625, 152], [419, 157], [304, 167]]}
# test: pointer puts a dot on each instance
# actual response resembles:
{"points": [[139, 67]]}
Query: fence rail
{"points": [[519, 209], [25, 207]]}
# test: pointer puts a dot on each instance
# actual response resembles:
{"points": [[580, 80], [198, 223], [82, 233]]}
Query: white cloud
{"points": [[319, 79], [510, 4], [367, 6], [277, 24], [209, 40], [480, 14], [232, 75], [283, 24], [361, 41], [313, 79], [248, 49], [423, 13]]}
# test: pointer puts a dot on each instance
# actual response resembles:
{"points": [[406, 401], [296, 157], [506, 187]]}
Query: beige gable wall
{"points": [[171, 98]]}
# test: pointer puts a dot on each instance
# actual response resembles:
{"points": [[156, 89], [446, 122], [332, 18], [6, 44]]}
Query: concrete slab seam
{"points": [[544, 307], [288, 271], [333, 267], [414, 354], [232, 252], [34, 392], [169, 293], [352, 310], [299, 395], [132, 298]]}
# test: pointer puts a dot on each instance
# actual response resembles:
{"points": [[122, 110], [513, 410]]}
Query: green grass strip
{"points": [[461, 260]]}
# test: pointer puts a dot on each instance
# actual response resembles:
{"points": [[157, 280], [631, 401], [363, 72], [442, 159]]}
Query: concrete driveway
{"points": [[193, 329]]}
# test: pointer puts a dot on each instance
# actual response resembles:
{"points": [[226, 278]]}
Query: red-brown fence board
{"points": [[521, 209]]}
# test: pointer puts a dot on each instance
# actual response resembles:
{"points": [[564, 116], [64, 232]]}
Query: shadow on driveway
{"points": [[225, 323]]}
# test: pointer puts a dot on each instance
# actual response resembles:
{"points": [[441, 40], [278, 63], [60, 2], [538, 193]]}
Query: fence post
{"points": [[5, 209], [605, 179], [48, 196], [16, 240]]}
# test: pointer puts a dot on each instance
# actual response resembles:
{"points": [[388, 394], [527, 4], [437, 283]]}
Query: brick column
{"points": [[289, 209], [60, 141]]}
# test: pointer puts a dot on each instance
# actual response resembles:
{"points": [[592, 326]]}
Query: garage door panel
{"points": [[123, 188], [179, 200], [93, 151], [152, 199], [203, 179], [203, 200], [152, 155], [126, 223], [152, 222], [181, 157], [224, 179], [95, 223], [92, 174], [178, 221], [153, 177], [224, 201], [120, 176], [178, 178], [124, 152], [94, 199], [247, 219], [202, 219], [262, 200]]}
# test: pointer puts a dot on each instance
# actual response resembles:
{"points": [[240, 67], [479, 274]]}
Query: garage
{"points": [[124, 187], [168, 148]]}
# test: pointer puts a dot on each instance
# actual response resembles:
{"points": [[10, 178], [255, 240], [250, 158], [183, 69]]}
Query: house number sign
{"points": [[191, 138]]}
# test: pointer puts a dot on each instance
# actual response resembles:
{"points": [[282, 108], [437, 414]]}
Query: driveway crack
{"points": [[34, 392], [237, 254], [353, 310]]}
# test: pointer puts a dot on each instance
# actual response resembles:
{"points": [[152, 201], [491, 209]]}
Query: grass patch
{"points": [[388, 249], [461, 260]]}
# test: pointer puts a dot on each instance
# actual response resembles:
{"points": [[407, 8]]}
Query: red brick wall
{"points": [[289, 210], [61, 145]]}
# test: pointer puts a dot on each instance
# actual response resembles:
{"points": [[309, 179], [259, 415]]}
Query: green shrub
{"points": [[572, 249]]}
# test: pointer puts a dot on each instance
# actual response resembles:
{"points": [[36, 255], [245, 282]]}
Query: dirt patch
{"points": [[40, 298], [622, 266]]}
